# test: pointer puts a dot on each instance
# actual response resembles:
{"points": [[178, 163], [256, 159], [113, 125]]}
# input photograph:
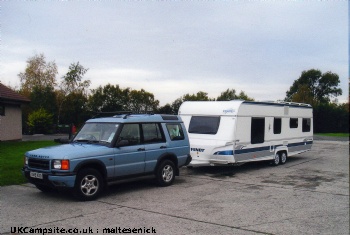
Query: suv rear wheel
{"points": [[88, 184], [165, 173]]}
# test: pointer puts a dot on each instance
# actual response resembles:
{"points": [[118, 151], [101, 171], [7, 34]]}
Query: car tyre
{"points": [[88, 184], [165, 173]]}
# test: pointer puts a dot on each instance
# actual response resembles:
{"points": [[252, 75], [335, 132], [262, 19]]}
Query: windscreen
{"points": [[97, 132], [204, 125]]}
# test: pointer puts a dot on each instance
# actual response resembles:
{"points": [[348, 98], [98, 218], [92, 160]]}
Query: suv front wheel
{"points": [[88, 184], [165, 173]]}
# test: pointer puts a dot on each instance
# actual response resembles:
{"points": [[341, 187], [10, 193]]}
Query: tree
{"points": [[303, 95], [142, 102], [199, 96], [73, 80], [44, 98], [38, 73], [72, 83], [230, 94], [112, 98], [109, 98], [75, 109], [331, 118], [166, 109], [315, 86]]}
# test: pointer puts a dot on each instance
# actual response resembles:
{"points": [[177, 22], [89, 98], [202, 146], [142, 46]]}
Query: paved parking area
{"points": [[307, 195]]}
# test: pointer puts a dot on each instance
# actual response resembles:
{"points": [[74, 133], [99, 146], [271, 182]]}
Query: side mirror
{"points": [[122, 143]]}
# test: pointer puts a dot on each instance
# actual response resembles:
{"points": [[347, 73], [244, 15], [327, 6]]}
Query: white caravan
{"points": [[230, 132]]}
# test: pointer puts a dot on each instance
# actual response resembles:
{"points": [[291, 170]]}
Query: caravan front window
{"points": [[204, 125]]}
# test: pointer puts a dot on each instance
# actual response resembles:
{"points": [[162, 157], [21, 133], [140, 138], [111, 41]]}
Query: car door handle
{"points": [[163, 147], [141, 149]]}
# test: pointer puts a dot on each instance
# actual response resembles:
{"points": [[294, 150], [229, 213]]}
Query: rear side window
{"points": [[152, 133], [175, 131], [204, 125]]}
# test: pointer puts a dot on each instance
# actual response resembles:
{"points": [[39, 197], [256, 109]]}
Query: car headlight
{"points": [[25, 160], [61, 164]]}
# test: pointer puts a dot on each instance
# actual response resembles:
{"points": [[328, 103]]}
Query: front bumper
{"points": [[51, 179]]}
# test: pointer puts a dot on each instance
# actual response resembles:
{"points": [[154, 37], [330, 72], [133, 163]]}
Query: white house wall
{"points": [[11, 124]]}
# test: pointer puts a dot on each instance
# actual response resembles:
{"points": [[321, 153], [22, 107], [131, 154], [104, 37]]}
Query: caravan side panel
{"points": [[249, 131]]}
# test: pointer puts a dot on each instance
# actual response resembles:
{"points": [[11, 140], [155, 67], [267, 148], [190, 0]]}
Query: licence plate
{"points": [[36, 175]]}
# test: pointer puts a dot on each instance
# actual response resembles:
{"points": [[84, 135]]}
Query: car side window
{"points": [[152, 133], [130, 133], [175, 131]]}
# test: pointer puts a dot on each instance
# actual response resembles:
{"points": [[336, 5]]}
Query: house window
{"points": [[2, 110], [277, 125], [258, 130]]}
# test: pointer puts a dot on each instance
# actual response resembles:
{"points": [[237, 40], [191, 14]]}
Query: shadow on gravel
{"points": [[232, 170]]}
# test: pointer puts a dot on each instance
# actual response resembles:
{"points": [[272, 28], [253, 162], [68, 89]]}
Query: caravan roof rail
{"points": [[294, 103]]}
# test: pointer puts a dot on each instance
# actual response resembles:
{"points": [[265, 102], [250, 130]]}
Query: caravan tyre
{"points": [[276, 159], [283, 157]]}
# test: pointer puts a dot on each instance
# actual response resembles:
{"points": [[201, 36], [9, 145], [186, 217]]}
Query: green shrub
{"points": [[40, 121]]}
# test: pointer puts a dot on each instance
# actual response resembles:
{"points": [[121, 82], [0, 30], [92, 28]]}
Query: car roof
{"points": [[132, 118]]}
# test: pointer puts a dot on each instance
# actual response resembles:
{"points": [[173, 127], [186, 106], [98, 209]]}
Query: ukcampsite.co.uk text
{"points": [[58, 230]]}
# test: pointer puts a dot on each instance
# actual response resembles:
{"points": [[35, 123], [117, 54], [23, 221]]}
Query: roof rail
{"points": [[128, 113], [293, 103], [115, 113]]}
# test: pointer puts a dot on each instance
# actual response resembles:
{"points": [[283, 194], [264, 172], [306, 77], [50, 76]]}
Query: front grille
{"points": [[39, 163]]}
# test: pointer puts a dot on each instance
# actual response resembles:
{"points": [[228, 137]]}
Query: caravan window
{"points": [[258, 130], [293, 123], [306, 124], [204, 125], [277, 125]]}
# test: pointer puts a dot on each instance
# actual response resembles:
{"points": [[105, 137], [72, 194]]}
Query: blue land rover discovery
{"points": [[108, 149]]}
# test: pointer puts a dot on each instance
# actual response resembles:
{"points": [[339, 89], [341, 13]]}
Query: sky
{"points": [[171, 48]]}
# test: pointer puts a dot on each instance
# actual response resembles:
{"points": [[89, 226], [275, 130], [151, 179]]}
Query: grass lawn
{"points": [[12, 159], [334, 134]]}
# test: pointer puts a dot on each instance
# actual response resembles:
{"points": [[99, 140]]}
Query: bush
{"points": [[40, 121], [331, 118]]}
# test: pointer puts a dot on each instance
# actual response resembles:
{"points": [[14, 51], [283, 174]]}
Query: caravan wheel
{"points": [[283, 157], [276, 160]]}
